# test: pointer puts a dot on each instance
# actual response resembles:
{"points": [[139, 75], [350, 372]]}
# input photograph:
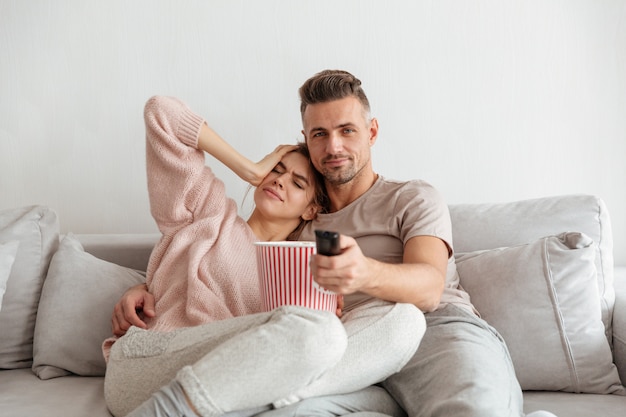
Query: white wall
{"points": [[490, 101]]}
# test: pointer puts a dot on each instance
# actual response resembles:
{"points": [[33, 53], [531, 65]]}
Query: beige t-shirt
{"points": [[384, 218]]}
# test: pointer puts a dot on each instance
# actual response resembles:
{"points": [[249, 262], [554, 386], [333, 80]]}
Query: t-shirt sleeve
{"points": [[422, 211]]}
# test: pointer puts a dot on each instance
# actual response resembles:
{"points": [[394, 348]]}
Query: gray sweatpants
{"points": [[461, 369], [376, 400], [278, 358]]}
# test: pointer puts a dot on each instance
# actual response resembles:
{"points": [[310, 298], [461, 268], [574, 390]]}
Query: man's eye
{"points": [[318, 134], [348, 130]]}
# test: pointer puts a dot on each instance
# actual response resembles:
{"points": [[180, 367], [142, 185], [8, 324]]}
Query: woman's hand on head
{"points": [[251, 172], [267, 164]]}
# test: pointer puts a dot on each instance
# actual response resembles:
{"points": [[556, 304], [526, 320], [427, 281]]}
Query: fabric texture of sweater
{"points": [[204, 266]]}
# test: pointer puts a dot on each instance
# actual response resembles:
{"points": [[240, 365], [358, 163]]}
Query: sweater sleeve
{"points": [[176, 171]]}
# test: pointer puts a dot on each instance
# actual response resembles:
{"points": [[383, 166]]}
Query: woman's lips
{"points": [[272, 193]]}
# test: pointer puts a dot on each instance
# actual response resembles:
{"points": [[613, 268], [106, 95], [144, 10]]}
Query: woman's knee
{"points": [[317, 334], [412, 318], [405, 325]]}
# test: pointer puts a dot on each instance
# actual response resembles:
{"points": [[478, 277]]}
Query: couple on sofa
{"points": [[207, 349]]}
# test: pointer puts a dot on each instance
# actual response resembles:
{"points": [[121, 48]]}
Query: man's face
{"points": [[339, 138]]}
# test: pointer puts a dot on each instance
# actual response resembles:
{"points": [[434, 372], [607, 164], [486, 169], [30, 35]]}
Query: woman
{"points": [[209, 349]]}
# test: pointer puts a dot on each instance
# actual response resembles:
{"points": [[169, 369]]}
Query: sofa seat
{"points": [[23, 394], [69, 284], [565, 404]]}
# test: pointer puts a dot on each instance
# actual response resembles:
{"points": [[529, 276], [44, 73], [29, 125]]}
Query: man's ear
{"points": [[373, 131], [310, 212]]}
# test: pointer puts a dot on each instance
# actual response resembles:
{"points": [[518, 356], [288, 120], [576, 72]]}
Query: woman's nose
{"points": [[278, 182]]}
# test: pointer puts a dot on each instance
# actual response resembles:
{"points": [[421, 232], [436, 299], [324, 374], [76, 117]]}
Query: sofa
{"points": [[540, 271]]}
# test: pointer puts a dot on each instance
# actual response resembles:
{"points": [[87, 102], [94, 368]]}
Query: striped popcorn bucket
{"points": [[286, 277]]}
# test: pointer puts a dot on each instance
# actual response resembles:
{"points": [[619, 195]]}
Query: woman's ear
{"points": [[310, 212]]}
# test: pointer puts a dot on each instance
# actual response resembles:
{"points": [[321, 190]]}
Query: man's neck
{"points": [[344, 194]]}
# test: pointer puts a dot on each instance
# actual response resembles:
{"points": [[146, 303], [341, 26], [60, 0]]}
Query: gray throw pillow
{"points": [[36, 228], [75, 310], [8, 250], [543, 299]]}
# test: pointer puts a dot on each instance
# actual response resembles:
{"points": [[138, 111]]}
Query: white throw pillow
{"points": [[75, 310], [36, 228], [543, 299], [7, 257]]}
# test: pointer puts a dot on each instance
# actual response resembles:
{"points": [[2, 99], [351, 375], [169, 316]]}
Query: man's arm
{"points": [[419, 280]]}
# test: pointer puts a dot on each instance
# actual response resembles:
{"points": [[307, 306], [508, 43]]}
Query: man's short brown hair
{"points": [[330, 85]]}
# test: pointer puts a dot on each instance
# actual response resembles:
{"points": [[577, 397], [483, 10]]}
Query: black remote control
{"points": [[327, 242]]}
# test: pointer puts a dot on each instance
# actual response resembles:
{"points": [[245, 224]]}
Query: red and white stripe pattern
{"points": [[286, 277]]}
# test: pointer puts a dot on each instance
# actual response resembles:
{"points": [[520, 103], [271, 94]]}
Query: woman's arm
{"points": [[136, 304], [253, 173], [177, 176]]}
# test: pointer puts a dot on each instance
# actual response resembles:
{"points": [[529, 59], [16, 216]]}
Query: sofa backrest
{"points": [[488, 226], [474, 227], [129, 250]]}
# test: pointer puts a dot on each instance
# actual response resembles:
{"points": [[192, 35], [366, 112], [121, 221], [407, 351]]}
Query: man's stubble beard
{"points": [[342, 175]]}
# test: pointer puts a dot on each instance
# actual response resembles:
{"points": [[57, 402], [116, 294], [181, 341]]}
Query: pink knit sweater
{"points": [[204, 266]]}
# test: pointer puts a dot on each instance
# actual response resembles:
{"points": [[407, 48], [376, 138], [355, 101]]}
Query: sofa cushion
{"points": [[542, 298], [75, 311], [36, 228], [619, 322], [8, 250], [489, 226]]}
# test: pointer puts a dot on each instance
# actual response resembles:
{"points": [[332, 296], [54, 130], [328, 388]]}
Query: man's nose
{"points": [[334, 144]]}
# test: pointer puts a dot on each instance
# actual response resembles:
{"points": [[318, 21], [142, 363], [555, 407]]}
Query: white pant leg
{"points": [[265, 363], [142, 361], [382, 337], [229, 364]]}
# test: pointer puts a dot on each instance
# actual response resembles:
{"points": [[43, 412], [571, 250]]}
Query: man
{"points": [[401, 250], [396, 244]]}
